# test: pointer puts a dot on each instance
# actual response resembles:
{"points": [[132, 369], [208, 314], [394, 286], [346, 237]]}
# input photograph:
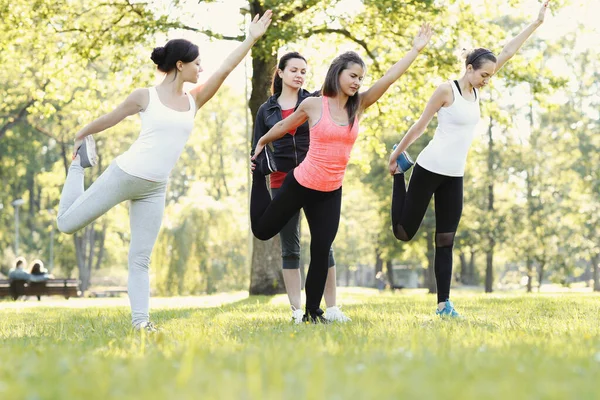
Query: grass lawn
{"points": [[507, 346]]}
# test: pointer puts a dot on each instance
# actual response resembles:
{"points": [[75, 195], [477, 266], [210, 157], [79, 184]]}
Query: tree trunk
{"points": [[390, 273], [84, 250], [541, 274], [265, 273], [489, 272], [595, 272], [529, 274], [378, 261], [464, 267], [101, 241], [472, 275], [489, 269]]}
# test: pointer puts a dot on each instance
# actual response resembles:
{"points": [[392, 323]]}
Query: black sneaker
{"points": [[316, 317], [87, 152], [265, 162]]}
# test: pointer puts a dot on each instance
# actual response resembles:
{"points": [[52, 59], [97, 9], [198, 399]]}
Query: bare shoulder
{"points": [[140, 97], [312, 103], [445, 89], [444, 94], [312, 106]]}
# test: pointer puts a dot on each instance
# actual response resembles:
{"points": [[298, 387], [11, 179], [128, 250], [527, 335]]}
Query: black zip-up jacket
{"points": [[290, 150]]}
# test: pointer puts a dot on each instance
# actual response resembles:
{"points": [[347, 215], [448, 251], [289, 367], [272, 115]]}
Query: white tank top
{"points": [[164, 134], [446, 153]]}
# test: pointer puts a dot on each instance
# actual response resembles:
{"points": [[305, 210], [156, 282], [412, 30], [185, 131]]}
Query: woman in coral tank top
{"points": [[316, 184]]}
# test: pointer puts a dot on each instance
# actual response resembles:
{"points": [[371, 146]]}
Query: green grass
{"points": [[506, 347]]}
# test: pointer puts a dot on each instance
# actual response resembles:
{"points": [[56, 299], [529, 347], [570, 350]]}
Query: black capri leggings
{"points": [[408, 210], [322, 211]]}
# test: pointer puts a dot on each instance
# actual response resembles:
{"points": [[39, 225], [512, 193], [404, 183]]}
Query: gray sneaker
{"points": [[87, 152]]}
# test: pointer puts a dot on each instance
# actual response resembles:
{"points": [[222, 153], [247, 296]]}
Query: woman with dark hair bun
{"points": [[141, 173], [440, 166], [316, 184], [288, 152]]}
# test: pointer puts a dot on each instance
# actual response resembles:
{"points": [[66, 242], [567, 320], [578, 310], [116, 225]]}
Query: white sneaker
{"points": [[334, 314], [146, 326], [87, 152], [297, 315]]}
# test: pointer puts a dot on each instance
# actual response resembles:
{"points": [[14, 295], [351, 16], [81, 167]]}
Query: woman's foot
{"points": [[315, 317], [146, 326], [446, 309], [297, 315], [265, 162], [404, 162], [335, 314], [87, 153]]}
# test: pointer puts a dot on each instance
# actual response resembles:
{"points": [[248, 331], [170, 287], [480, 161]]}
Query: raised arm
{"points": [[515, 44], [441, 97], [133, 104], [382, 85], [289, 124], [205, 92]]}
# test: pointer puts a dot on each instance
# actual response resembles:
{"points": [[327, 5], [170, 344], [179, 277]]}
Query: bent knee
{"points": [[64, 227], [260, 235], [401, 234]]}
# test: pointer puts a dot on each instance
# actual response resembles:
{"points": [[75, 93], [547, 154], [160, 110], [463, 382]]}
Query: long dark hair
{"points": [[331, 87], [277, 83], [166, 57], [478, 57]]}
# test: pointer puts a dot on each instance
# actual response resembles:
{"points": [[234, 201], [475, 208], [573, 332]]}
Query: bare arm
{"points": [[133, 104], [289, 124], [205, 92], [440, 98], [382, 85], [515, 44]]}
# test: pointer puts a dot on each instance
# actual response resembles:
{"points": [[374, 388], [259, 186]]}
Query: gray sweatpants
{"points": [[78, 208]]}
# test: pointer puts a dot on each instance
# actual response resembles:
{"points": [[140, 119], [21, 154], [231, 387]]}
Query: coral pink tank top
{"points": [[325, 164]]}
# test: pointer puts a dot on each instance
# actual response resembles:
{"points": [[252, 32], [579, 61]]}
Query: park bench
{"points": [[112, 292], [52, 287]]}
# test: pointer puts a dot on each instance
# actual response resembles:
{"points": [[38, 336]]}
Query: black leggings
{"points": [[408, 210], [322, 211]]}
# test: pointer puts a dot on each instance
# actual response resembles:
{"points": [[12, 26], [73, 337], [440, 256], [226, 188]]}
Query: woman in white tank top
{"points": [[440, 166], [140, 174]]}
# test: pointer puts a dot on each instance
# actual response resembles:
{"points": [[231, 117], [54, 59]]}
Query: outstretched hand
{"points": [[422, 37], [542, 12], [258, 27]]}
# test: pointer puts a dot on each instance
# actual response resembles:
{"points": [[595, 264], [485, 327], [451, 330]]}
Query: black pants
{"points": [[322, 211], [290, 241], [408, 210]]}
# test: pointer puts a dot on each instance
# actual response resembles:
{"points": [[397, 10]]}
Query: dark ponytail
{"points": [[277, 82]]}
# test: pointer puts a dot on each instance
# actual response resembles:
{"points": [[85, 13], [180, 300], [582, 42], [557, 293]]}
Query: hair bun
{"points": [[464, 53], [158, 55]]}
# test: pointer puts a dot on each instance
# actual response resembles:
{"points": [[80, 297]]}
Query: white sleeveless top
{"points": [[164, 134], [446, 153]]}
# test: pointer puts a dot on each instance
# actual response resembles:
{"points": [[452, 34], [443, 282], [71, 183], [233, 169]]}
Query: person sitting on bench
{"points": [[17, 273], [39, 273]]}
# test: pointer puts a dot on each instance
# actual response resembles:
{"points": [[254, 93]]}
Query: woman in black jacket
{"points": [[288, 152]]}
